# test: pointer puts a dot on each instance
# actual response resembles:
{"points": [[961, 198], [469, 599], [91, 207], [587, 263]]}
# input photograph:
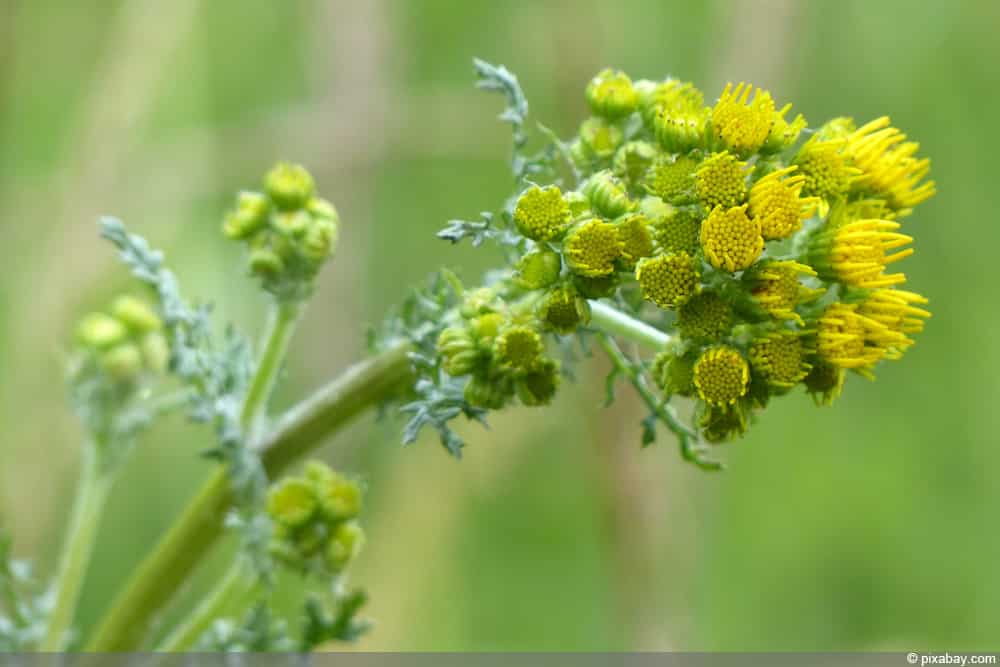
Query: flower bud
{"points": [[722, 423], [291, 502], [539, 386], [265, 263], [122, 362], [607, 195], [339, 498], [479, 302], [319, 240], [563, 310], [249, 217], [541, 214], [633, 160], [486, 327], [518, 348], [596, 288], [458, 351], [289, 186], [668, 280], [599, 139], [538, 269], [100, 331], [135, 314], [592, 247], [490, 392], [155, 351], [636, 239], [291, 223], [345, 544], [610, 94], [673, 373]]}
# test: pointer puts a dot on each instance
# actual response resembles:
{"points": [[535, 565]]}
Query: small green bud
{"points": [[292, 223], [579, 205], [633, 160], [611, 94], [321, 208], [486, 327], [600, 139], [250, 216], [518, 347], [100, 331], [320, 240], [541, 214], [478, 302], [538, 269], [135, 314], [539, 386], [346, 543], [339, 497], [266, 263], [122, 362], [592, 247], [722, 423], [673, 374], [596, 288], [563, 310], [291, 502], [458, 350], [491, 392], [289, 186], [155, 351], [607, 195]]}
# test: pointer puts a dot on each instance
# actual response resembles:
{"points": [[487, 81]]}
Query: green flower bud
{"points": [[636, 239], [249, 217], [672, 178], [518, 347], [291, 223], [323, 209], [633, 160], [579, 205], [291, 502], [610, 94], [599, 139], [346, 543], [538, 269], [705, 316], [265, 262], [539, 386], [122, 362], [592, 247], [100, 331], [320, 240], [722, 423], [678, 231], [135, 314], [824, 382], [668, 280], [339, 498], [673, 374], [289, 186], [607, 195], [541, 214], [486, 327], [490, 392], [479, 302], [458, 350], [596, 288], [155, 351], [563, 310]]}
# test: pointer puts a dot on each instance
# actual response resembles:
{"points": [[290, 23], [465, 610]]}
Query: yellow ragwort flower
{"points": [[827, 171], [591, 248], [776, 202], [732, 241], [721, 376], [720, 180], [888, 166], [671, 95], [636, 238], [541, 214], [895, 310], [779, 358], [777, 288], [705, 316], [848, 339], [743, 125], [668, 280], [856, 253], [783, 133], [671, 178]]}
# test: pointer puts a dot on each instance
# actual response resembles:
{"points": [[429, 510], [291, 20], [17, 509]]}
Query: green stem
{"points": [[92, 493], [215, 605], [303, 428], [613, 321], [283, 317]]}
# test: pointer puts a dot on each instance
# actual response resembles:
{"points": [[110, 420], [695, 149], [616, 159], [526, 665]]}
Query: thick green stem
{"points": [[303, 428], [281, 323], [92, 493], [223, 597], [613, 321]]}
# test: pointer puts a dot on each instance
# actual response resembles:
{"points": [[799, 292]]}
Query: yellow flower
{"points": [[563, 310], [827, 171], [721, 376], [779, 358], [888, 166], [720, 180], [731, 240], [895, 310], [783, 134], [675, 229], [518, 347], [671, 95], [705, 316], [776, 202], [668, 280], [856, 253], [671, 178], [741, 124], [541, 214], [591, 248], [848, 339], [824, 382], [777, 288], [636, 239], [610, 94]]}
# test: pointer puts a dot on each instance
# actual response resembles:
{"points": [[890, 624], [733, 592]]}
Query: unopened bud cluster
{"points": [[315, 517], [289, 230], [769, 253], [124, 342]]}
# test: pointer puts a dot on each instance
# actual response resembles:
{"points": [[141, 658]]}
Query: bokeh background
{"points": [[871, 525]]}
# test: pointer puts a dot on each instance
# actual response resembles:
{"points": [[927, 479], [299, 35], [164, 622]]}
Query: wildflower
{"points": [[824, 382], [895, 310], [633, 160], [783, 133], [679, 230], [636, 239], [563, 310], [720, 180], [848, 339], [292, 502], [705, 316], [518, 347], [671, 178], [721, 376], [490, 391], [670, 95], [719, 423], [776, 202], [289, 186], [668, 280], [249, 216], [345, 544], [541, 214], [458, 351], [592, 247], [538, 269], [607, 194], [856, 253], [539, 385], [888, 166], [135, 314], [732, 241], [679, 131], [673, 373], [777, 289], [827, 172], [600, 139], [610, 94], [779, 358], [596, 288], [739, 123]]}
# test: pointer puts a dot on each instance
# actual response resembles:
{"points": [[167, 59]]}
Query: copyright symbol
{"points": [[912, 658]]}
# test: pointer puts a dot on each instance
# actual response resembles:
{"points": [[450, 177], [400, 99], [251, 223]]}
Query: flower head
{"points": [[539, 385], [898, 311], [779, 358], [827, 172], [720, 180], [668, 280], [671, 178], [848, 339], [776, 202], [538, 268], [856, 253], [636, 239], [563, 310], [721, 376], [600, 139], [740, 123], [732, 241], [592, 247], [633, 160], [458, 350], [678, 230], [541, 214], [289, 186], [888, 165], [678, 131], [518, 347], [705, 316], [824, 382], [607, 194], [610, 94], [783, 133], [673, 373], [777, 289]]}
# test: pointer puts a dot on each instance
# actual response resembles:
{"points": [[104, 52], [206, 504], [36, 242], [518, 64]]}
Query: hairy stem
{"points": [[92, 493], [282, 319], [228, 591], [611, 320], [159, 577]]}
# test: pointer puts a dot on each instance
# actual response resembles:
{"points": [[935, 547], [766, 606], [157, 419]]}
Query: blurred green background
{"points": [[871, 525]]}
